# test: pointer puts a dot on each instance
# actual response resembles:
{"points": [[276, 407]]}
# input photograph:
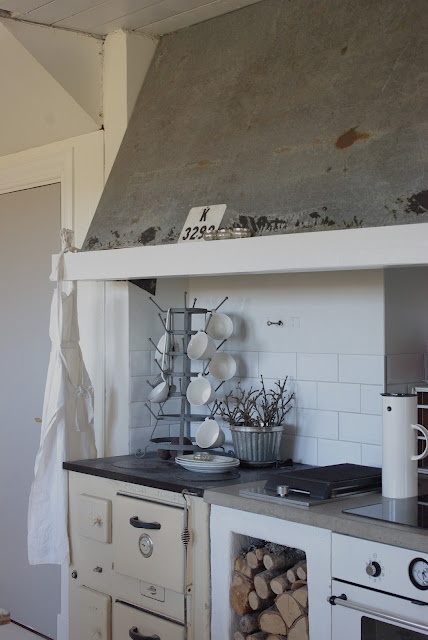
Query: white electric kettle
{"points": [[399, 445]]}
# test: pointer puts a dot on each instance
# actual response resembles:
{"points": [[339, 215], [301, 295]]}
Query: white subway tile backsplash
{"points": [[336, 452], [139, 438], [277, 365], [139, 415], [332, 347], [141, 363], [317, 424], [371, 455], [357, 427], [247, 364], [371, 400], [290, 421], [139, 389], [299, 449], [359, 368], [317, 366], [339, 396], [305, 394]]}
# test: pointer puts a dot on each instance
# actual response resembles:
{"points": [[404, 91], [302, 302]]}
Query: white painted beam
{"points": [[378, 247]]}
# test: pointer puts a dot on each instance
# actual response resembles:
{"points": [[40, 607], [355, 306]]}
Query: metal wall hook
{"points": [[222, 302], [155, 303], [279, 323], [156, 347]]}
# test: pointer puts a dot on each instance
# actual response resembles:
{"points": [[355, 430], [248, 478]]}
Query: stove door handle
{"points": [[343, 601], [133, 633], [139, 524]]}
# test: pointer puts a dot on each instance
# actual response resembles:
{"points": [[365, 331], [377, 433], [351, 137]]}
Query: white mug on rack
{"points": [[201, 347], [209, 434], [222, 366], [200, 391]]}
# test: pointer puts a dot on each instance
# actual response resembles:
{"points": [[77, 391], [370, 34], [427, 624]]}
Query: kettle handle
{"points": [[424, 454]]}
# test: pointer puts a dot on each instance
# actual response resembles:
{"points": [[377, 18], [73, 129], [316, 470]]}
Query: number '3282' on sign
{"points": [[200, 220]]}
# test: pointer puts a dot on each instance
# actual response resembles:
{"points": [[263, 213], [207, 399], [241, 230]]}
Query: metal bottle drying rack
{"points": [[179, 327]]}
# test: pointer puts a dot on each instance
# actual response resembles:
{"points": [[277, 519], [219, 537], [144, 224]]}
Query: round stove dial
{"points": [[145, 544], [418, 573], [373, 569]]}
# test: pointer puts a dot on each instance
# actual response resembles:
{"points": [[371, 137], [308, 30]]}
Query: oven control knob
{"points": [[373, 569]]}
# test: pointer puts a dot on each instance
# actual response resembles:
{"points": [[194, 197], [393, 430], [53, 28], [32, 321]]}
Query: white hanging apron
{"points": [[67, 430]]}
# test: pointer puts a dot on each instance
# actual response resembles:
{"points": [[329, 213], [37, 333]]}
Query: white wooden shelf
{"points": [[372, 248]]}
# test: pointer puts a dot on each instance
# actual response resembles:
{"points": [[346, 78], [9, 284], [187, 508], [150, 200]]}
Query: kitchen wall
{"points": [[346, 337]]}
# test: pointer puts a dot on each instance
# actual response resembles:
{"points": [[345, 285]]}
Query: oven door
{"points": [[364, 614]]}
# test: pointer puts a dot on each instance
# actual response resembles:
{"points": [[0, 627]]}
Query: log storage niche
{"points": [[269, 593]]}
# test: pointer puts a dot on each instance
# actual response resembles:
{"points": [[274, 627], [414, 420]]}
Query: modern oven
{"points": [[379, 592]]}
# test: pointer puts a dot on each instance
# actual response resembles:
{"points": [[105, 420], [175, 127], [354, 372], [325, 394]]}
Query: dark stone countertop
{"points": [[151, 471]]}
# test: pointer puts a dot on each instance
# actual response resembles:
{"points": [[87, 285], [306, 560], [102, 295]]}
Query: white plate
{"points": [[206, 467], [215, 460], [214, 469]]}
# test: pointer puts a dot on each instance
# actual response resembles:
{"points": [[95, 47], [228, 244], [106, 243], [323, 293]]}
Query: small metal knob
{"points": [[74, 574], [282, 490], [373, 569]]}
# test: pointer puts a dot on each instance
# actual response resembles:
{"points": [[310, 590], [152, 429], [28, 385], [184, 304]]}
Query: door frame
{"points": [[50, 167], [54, 168]]}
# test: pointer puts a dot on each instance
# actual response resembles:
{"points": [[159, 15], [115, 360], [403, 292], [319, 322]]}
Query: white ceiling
{"points": [[100, 17]]}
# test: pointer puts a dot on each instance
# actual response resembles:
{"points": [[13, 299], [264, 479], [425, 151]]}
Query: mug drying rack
{"points": [[179, 327]]}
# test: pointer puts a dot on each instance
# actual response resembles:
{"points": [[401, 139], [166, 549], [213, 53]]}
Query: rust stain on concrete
{"points": [[205, 164], [348, 138], [279, 150]]}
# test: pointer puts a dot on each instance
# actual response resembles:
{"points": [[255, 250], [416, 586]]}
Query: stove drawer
{"points": [[90, 614], [131, 622], [147, 542]]}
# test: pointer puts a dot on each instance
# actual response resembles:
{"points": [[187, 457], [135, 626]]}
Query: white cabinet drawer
{"points": [[90, 614], [131, 622], [147, 542]]}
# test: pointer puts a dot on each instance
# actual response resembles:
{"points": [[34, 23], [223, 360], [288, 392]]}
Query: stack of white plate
{"points": [[215, 464]]}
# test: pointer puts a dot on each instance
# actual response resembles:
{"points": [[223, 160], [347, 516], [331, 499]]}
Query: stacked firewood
{"points": [[269, 593]]}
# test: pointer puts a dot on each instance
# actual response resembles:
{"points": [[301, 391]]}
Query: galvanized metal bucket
{"points": [[256, 445]]}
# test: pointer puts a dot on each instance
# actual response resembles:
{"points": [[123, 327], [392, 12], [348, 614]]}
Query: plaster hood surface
{"points": [[293, 117]]}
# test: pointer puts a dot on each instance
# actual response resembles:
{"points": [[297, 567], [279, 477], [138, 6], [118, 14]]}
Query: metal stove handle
{"points": [[139, 524], [133, 633], [343, 601]]}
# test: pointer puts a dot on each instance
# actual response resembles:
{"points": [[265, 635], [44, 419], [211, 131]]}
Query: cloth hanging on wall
{"points": [[67, 426]]}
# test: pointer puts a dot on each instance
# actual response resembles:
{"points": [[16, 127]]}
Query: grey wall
{"points": [[300, 115]]}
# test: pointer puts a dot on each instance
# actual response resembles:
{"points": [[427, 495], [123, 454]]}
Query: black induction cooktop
{"points": [[412, 512]]}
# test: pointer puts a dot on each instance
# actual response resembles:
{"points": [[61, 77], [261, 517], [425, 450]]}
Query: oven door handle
{"points": [[343, 601], [133, 633], [140, 524]]}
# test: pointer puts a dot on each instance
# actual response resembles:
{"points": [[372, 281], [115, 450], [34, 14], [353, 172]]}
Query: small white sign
{"points": [[201, 219]]}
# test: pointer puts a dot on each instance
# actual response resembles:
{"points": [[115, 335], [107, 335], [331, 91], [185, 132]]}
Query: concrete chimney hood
{"points": [[306, 120]]}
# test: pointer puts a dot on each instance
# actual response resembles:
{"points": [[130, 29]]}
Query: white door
{"points": [[29, 235]]}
